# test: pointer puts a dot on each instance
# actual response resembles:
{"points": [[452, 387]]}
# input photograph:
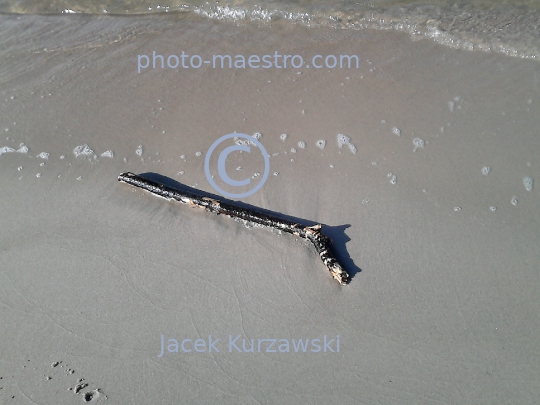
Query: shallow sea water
{"points": [[510, 27]]}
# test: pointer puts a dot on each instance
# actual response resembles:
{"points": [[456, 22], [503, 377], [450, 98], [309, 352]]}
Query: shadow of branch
{"points": [[335, 233]]}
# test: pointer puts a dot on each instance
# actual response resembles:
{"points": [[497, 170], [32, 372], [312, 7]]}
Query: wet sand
{"points": [[443, 304]]}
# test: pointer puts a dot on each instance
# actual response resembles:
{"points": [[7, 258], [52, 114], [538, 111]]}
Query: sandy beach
{"points": [[428, 204]]}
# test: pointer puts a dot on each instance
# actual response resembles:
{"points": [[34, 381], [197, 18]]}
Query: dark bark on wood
{"points": [[311, 233]]}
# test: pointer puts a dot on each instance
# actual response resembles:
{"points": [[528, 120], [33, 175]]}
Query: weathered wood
{"points": [[313, 234]]}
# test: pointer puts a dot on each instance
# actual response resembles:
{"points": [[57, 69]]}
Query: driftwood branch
{"points": [[311, 233]]}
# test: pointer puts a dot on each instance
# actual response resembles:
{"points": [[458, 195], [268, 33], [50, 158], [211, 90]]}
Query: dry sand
{"points": [[443, 306]]}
